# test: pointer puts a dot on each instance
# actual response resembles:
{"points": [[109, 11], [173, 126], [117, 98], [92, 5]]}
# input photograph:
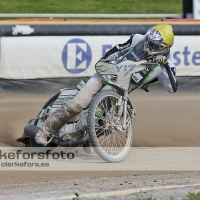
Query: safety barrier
{"points": [[33, 57], [91, 29]]}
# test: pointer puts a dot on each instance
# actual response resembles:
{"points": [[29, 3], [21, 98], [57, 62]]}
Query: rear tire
{"points": [[102, 127]]}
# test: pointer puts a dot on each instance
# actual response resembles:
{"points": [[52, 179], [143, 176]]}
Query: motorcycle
{"points": [[110, 128]]}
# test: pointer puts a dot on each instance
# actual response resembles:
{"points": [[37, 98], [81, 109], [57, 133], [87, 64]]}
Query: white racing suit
{"points": [[133, 49]]}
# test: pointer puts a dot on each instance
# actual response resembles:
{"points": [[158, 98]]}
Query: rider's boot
{"points": [[56, 120], [24, 139]]}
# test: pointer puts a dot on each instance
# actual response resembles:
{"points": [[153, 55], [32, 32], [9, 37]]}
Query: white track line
{"points": [[123, 192]]}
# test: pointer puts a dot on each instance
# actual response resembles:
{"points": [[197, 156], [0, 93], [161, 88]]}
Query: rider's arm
{"points": [[165, 73], [167, 77], [114, 53]]}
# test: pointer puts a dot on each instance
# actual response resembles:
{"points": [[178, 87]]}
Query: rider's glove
{"points": [[160, 59]]}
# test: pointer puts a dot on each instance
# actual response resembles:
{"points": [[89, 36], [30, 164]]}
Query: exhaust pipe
{"points": [[31, 131], [73, 143]]}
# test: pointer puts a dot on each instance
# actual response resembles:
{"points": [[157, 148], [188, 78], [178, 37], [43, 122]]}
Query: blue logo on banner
{"points": [[76, 56]]}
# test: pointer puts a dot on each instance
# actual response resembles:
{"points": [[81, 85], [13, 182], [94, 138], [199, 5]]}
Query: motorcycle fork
{"points": [[125, 99]]}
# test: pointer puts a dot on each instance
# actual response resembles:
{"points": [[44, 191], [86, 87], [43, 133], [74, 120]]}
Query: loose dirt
{"points": [[162, 120]]}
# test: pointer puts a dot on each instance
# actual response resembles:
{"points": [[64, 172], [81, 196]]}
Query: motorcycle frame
{"points": [[123, 79]]}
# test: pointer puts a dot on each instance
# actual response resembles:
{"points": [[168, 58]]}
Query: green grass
{"points": [[192, 196], [91, 6]]}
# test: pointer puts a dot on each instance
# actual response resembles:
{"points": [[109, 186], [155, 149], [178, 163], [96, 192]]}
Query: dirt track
{"points": [[161, 120], [31, 185]]}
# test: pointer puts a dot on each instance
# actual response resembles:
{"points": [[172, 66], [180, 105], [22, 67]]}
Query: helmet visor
{"points": [[154, 46]]}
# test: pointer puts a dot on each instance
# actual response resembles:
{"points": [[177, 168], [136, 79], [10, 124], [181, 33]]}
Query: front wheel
{"points": [[111, 144]]}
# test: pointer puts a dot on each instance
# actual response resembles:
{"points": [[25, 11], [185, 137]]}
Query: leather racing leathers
{"points": [[133, 50]]}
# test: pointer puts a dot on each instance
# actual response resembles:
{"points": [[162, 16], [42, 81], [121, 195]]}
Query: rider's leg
{"points": [[56, 120], [86, 94], [59, 117], [69, 109], [74, 130]]}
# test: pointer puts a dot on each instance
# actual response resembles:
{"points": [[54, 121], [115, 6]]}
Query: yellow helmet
{"points": [[159, 40]]}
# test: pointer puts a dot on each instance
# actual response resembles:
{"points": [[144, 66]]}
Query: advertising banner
{"points": [[196, 9], [75, 56]]}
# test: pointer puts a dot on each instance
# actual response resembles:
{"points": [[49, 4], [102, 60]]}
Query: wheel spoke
{"points": [[112, 145], [118, 139]]}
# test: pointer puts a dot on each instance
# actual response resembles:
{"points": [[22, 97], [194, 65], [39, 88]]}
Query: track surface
{"points": [[162, 120]]}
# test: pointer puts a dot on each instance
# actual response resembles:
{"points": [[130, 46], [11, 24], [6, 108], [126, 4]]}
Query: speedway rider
{"points": [[153, 46]]}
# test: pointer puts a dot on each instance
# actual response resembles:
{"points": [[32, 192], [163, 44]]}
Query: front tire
{"points": [[110, 144]]}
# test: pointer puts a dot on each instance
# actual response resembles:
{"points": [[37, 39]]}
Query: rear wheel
{"points": [[111, 144]]}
